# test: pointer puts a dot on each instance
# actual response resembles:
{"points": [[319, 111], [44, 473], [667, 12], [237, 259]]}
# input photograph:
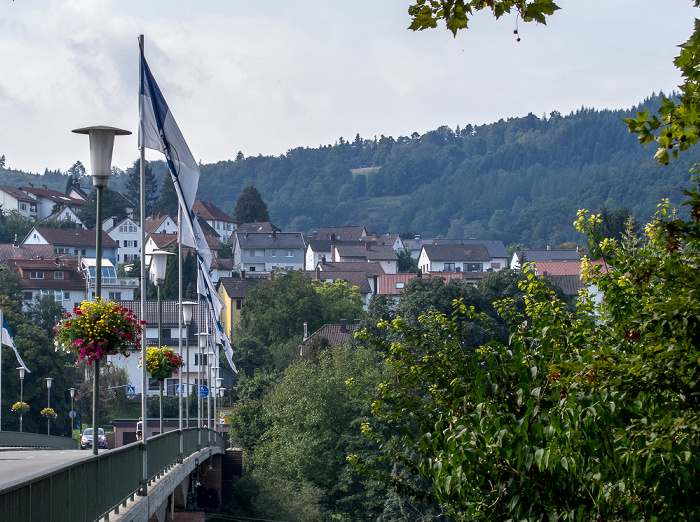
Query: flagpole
{"points": [[179, 313], [144, 380]]}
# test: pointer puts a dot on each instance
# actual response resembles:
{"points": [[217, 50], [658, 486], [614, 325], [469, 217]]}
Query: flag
{"points": [[159, 131], [8, 341]]}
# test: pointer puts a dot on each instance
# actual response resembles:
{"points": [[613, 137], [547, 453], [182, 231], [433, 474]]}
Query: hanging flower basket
{"points": [[20, 407], [48, 413], [98, 328], [162, 362]]}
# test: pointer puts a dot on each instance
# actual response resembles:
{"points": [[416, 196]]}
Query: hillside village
{"points": [[60, 262]]}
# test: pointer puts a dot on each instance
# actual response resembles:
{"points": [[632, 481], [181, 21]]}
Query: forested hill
{"points": [[520, 180]]}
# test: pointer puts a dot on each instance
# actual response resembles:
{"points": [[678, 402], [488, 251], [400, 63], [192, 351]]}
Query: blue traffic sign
{"points": [[202, 391], [131, 390]]}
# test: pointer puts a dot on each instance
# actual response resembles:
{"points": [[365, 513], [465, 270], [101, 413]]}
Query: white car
{"points": [[86, 439]]}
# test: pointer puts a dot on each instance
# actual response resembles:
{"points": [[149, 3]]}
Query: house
{"points": [[127, 234], [77, 192], [66, 213], [455, 258], [369, 270], [113, 287], [233, 290], [222, 223], [159, 241], [392, 240], [567, 274], [353, 278], [75, 241], [550, 254], [265, 252], [18, 251], [160, 225], [56, 276], [14, 199], [220, 268], [46, 199], [497, 250], [335, 334], [415, 245], [366, 251], [170, 336]]}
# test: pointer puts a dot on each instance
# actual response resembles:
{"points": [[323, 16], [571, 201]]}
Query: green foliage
{"points": [[250, 207], [13, 225], [112, 205], [456, 13], [586, 414], [45, 312], [338, 301], [309, 424], [406, 263], [167, 203], [133, 186]]}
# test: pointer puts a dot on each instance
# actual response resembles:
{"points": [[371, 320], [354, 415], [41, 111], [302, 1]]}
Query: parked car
{"points": [[86, 439]]}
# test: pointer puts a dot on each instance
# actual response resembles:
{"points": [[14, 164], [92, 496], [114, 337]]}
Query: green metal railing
{"points": [[88, 490], [35, 440]]}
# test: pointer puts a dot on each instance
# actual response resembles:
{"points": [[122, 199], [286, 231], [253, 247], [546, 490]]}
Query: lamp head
{"points": [[187, 309], [101, 145], [159, 263], [21, 372], [49, 380], [203, 339], [72, 392]]}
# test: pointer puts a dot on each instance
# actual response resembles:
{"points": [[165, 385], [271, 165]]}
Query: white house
{"points": [[366, 251], [456, 258], [14, 199], [160, 225], [217, 219], [127, 234], [46, 199]]}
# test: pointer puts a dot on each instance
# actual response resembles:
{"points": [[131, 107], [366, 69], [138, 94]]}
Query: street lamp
{"points": [[187, 309], [49, 380], [21, 394], [159, 263], [72, 412], [101, 146], [214, 375], [203, 338], [220, 390], [210, 360]]}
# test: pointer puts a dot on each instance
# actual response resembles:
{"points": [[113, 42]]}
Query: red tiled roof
{"points": [[546, 268], [53, 195], [73, 278], [74, 237], [17, 194], [209, 211], [388, 283], [333, 333]]}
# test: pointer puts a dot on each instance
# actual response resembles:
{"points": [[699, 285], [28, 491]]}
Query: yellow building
{"points": [[233, 290]]}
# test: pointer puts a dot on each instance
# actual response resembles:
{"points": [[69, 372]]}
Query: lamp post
{"points": [[210, 358], [159, 263], [203, 337], [101, 146], [49, 380], [21, 394], [219, 382], [214, 375], [187, 309], [72, 413]]}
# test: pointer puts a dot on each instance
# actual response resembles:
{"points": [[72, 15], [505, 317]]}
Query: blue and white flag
{"points": [[8, 341], [159, 131]]}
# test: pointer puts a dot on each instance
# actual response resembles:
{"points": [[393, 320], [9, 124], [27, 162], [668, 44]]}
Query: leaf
{"points": [[538, 457], [564, 463]]}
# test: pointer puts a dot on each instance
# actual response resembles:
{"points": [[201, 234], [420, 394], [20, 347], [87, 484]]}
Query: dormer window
{"points": [[36, 275], [58, 275]]}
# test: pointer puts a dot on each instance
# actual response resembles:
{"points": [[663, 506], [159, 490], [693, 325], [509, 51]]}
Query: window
{"points": [[58, 275], [289, 253], [400, 285], [115, 296], [218, 226], [66, 295], [289, 268], [36, 275], [58, 296], [239, 304], [473, 267], [251, 269], [117, 241], [61, 250], [273, 253], [449, 267], [196, 359], [28, 296], [23, 206]]}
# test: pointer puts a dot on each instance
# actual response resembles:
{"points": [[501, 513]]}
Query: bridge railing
{"points": [[35, 440], [90, 489]]}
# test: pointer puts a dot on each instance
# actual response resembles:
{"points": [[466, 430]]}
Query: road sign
{"points": [[177, 389], [72, 414], [130, 391], [202, 391]]}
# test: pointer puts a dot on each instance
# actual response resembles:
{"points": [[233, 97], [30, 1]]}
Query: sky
{"points": [[267, 76]]}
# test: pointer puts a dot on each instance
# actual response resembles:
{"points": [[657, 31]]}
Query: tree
{"points": [[338, 301], [168, 203], [45, 312], [250, 207], [2, 161], [406, 263], [112, 205], [133, 186]]}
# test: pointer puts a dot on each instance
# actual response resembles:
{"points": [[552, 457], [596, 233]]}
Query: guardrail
{"points": [[90, 489], [35, 440]]}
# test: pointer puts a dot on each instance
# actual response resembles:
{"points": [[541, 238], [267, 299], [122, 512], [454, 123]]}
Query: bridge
{"points": [[123, 484]]}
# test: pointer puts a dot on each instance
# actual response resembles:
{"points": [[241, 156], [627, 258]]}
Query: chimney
{"points": [[549, 247], [318, 272], [368, 246], [15, 244], [343, 325], [45, 187], [242, 273], [31, 185], [274, 233], [208, 201], [332, 238]]}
